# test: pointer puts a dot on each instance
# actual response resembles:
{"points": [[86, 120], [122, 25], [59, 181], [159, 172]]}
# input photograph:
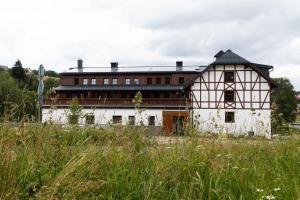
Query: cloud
{"points": [[139, 32]]}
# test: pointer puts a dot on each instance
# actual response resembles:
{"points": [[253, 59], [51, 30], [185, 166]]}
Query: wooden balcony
{"points": [[118, 101]]}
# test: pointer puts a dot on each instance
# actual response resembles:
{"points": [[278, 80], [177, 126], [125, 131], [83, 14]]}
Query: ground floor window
{"points": [[151, 120], [131, 120], [229, 117], [117, 119], [90, 119]]}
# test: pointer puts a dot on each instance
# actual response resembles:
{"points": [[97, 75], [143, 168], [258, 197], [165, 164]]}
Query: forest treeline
{"points": [[18, 92]]}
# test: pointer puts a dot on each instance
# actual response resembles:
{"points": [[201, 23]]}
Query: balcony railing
{"points": [[118, 101]]}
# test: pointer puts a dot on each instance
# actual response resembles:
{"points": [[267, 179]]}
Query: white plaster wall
{"points": [[213, 120], [103, 116]]}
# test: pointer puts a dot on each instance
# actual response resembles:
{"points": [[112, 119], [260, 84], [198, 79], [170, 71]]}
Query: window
{"points": [[131, 120], [109, 94], [127, 81], [85, 81], [117, 119], [149, 81], [93, 81], [124, 95], [76, 81], [166, 95], [158, 81], [147, 95], [229, 76], [105, 81], [229, 96], [136, 81], [114, 81], [181, 80], [229, 117], [151, 121], [90, 119], [156, 95], [167, 80]]}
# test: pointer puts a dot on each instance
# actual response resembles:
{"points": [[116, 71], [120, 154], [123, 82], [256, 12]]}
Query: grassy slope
{"points": [[49, 162]]}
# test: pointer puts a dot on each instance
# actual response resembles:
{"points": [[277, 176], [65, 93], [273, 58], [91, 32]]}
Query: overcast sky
{"points": [[150, 32]]}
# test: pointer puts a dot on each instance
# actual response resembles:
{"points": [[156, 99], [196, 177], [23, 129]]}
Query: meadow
{"points": [[40, 161]]}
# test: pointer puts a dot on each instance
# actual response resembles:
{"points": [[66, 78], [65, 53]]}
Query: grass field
{"points": [[51, 162]]}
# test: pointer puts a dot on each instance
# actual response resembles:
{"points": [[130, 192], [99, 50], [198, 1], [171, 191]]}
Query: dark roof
{"points": [[229, 58], [136, 69], [120, 88]]}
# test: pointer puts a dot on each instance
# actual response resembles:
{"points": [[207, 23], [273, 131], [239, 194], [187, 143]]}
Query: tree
{"points": [[18, 72], [49, 84], [75, 112], [284, 101], [51, 73]]}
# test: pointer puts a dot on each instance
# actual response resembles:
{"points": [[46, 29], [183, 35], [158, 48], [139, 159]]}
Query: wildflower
{"points": [[259, 190], [277, 189], [270, 197]]}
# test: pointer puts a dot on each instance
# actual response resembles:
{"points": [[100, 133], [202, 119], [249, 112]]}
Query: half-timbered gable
{"points": [[233, 84]]}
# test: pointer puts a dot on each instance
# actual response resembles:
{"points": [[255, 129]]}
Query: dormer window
{"points": [[149, 81], [85, 81], [158, 80], [127, 81], [136, 81], [229, 76], [93, 81], [167, 80], [76, 81], [105, 81], [181, 80], [114, 81]]}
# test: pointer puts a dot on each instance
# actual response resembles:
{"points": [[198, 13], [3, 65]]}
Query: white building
{"points": [[231, 95]]}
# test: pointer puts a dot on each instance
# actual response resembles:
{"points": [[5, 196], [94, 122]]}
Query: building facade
{"points": [[231, 95]]}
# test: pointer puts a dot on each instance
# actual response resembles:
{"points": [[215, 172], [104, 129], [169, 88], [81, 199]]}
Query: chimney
{"points": [[79, 63], [219, 54], [179, 65], [114, 65]]}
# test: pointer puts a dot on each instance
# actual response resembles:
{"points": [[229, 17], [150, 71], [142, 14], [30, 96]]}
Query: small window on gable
{"points": [[76, 81], [117, 119], [105, 81], [149, 81], [167, 80], [229, 117], [181, 80], [131, 120], [93, 81], [85, 81], [229, 96], [151, 120], [229, 76], [90, 119]]}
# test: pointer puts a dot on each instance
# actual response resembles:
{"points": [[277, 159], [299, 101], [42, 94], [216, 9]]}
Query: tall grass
{"points": [[54, 162]]}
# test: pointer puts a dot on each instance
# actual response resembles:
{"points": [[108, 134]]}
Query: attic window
{"points": [[229, 76], [229, 96]]}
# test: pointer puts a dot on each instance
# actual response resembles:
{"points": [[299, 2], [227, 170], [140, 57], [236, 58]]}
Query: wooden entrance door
{"points": [[173, 122]]}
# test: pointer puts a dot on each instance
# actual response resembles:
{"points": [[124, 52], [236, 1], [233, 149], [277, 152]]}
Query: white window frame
{"points": [[106, 81], [115, 81], [127, 81], [136, 81], [85, 81], [94, 82]]}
